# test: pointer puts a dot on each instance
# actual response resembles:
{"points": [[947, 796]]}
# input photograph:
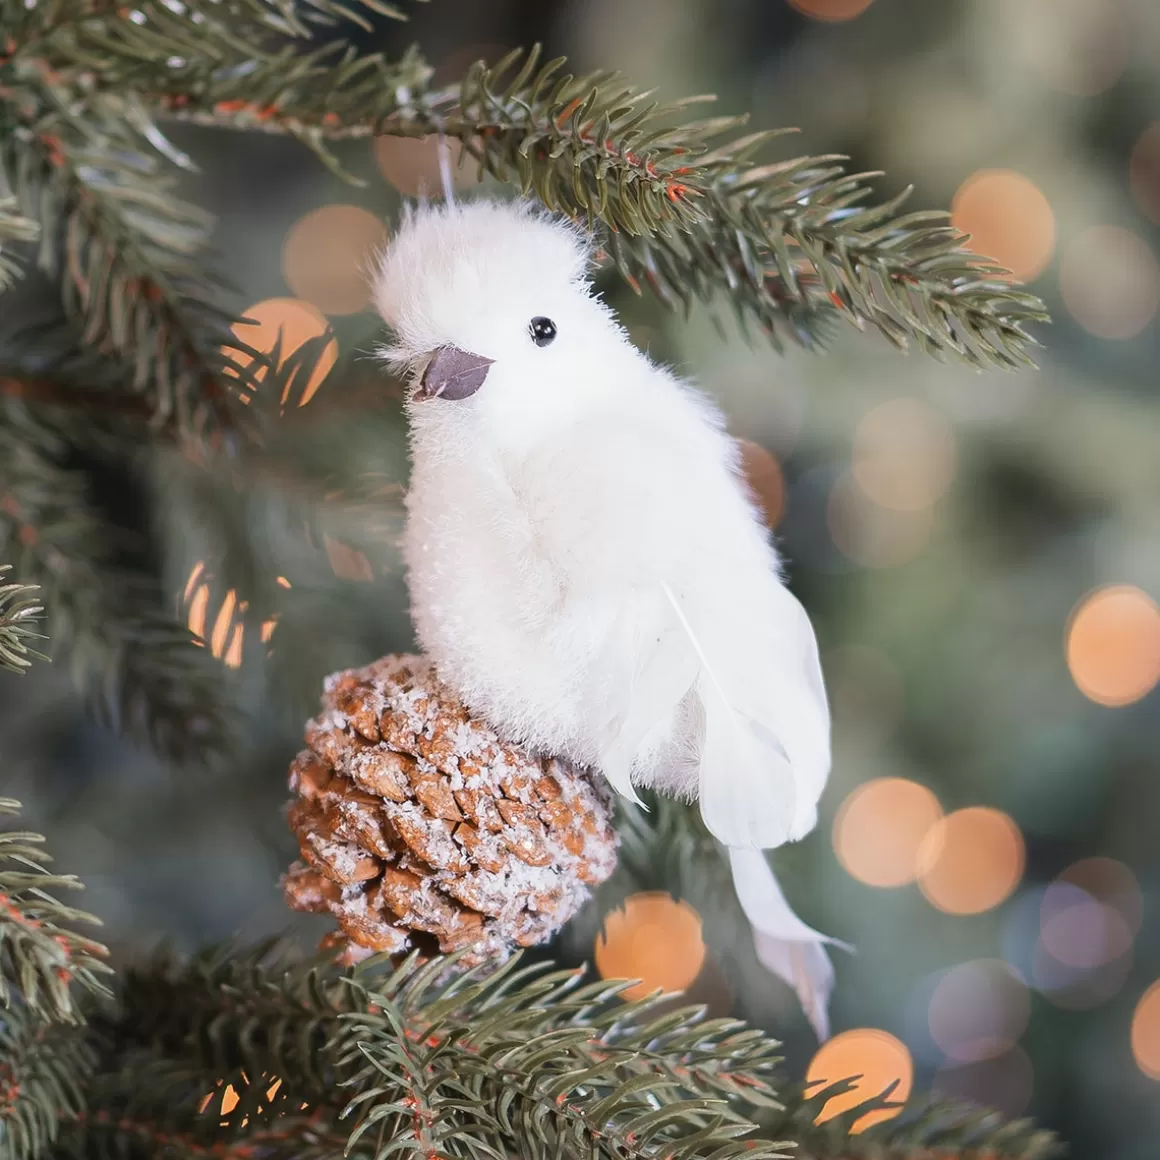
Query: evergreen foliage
{"points": [[412, 1059], [18, 610]]}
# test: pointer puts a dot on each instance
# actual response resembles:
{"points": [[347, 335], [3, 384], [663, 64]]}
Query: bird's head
{"points": [[492, 313]]}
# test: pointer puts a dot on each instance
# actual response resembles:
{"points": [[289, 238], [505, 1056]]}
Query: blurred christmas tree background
{"points": [[980, 551]]}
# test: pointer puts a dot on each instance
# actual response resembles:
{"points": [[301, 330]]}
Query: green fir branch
{"points": [[418, 1060], [41, 956], [44, 1068], [19, 610], [691, 211], [926, 1128], [128, 257], [243, 57], [137, 668], [14, 227]]}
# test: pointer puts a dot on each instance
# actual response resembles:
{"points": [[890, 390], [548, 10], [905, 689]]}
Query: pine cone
{"points": [[419, 827]]}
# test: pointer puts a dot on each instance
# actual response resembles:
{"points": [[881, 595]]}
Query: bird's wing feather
{"points": [[652, 694], [747, 786]]}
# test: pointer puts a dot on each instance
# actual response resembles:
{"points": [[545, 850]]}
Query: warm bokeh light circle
{"points": [[880, 827], [877, 1058], [411, 165], [1146, 1032], [904, 454], [1008, 218], [291, 322], [970, 860], [1110, 282], [653, 938], [766, 482], [327, 255], [1145, 172], [219, 626], [1113, 645], [831, 11]]}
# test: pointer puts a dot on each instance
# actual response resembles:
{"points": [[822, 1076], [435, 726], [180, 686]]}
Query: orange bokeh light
{"points": [[765, 480], [326, 255], [1110, 282], [653, 938], [1008, 219], [226, 636], [411, 165], [876, 1058], [1145, 172], [1146, 1032], [286, 323], [1113, 645], [880, 827], [831, 11], [904, 454], [970, 860]]}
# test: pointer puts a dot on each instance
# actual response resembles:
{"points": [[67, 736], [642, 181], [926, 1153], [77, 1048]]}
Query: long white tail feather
{"points": [[785, 945], [747, 785]]}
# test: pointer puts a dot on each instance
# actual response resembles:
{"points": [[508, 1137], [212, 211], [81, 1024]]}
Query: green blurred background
{"points": [[980, 552]]}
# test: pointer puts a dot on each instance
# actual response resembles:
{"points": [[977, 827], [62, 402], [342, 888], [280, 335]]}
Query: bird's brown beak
{"points": [[452, 374]]}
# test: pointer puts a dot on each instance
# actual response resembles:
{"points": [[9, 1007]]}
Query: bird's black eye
{"points": [[542, 330]]}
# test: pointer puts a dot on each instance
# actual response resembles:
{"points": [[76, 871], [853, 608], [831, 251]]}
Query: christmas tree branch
{"points": [[135, 665], [126, 254], [227, 57], [40, 955], [685, 209], [488, 1062], [934, 1127], [19, 609], [14, 227], [43, 1071]]}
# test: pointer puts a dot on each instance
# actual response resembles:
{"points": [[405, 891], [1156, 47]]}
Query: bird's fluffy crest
{"points": [[446, 260]]}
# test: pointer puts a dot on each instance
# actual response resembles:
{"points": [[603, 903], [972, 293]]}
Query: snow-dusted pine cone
{"points": [[419, 827]]}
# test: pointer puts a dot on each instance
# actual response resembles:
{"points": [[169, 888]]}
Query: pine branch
{"points": [[43, 1070], [19, 608], [127, 255], [689, 198], [517, 1054], [687, 210], [40, 955], [136, 666], [68, 18], [226, 57], [13, 228], [927, 1128], [518, 1060]]}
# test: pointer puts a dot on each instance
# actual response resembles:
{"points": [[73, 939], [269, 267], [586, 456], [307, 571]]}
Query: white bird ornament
{"points": [[587, 569]]}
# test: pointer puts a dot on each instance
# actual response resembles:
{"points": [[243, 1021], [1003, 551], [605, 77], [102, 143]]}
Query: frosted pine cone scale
{"points": [[418, 826]]}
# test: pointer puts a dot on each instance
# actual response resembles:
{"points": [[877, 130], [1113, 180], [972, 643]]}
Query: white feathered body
{"points": [[586, 567]]}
